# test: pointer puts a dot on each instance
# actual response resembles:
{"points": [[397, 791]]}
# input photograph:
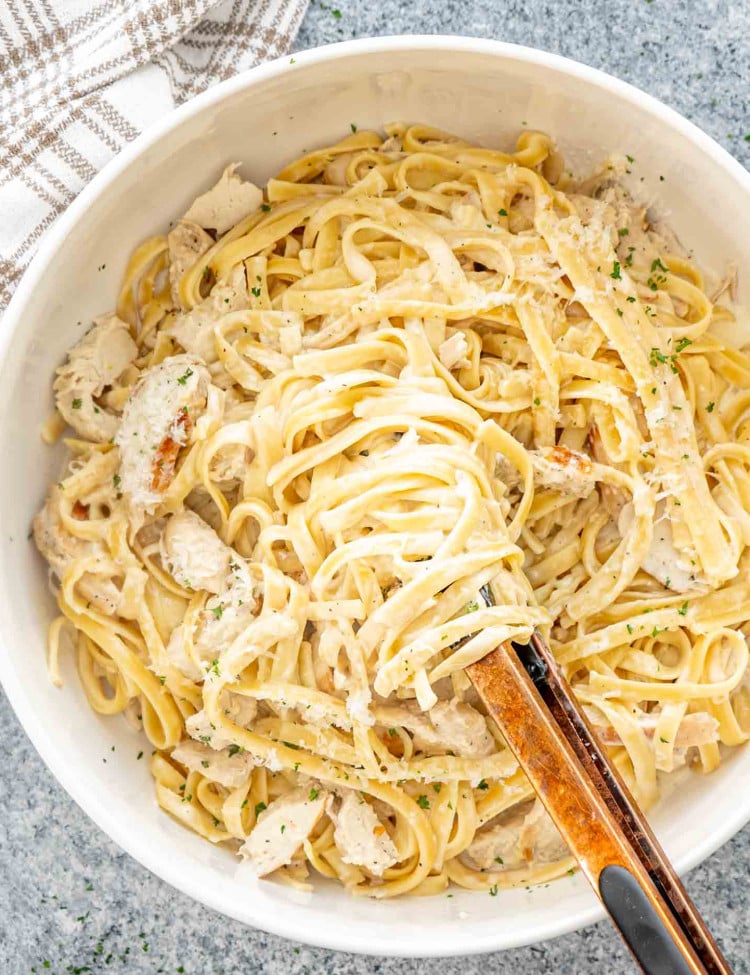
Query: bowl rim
{"points": [[337, 937]]}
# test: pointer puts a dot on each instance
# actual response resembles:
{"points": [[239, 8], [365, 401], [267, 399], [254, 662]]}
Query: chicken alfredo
{"points": [[321, 418]]}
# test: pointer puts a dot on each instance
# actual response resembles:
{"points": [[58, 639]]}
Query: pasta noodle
{"points": [[324, 417]]}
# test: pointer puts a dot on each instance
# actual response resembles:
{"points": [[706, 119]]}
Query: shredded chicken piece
{"points": [[60, 548], [698, 728], [187, 242], [230, 463], [225, 617], [95, 362], [566, 471], [197, 558], [598, 213], [283, 827], [228, 767], [613, 211], [193, 553], [539, 839], [520, 837], [506, 472], [194, 329], [448, 726], [394, 143], [225, 204], [664, 561], [521, 215], [459, 727], [497, 847], [454, 352], [156, 423], [360, 836], [239, 709]]}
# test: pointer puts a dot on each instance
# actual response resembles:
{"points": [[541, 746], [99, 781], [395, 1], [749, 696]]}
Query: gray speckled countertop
{"points": [[69, 899]]}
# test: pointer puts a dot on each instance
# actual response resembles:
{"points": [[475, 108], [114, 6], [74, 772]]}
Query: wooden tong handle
{"points": [[594, 811]]}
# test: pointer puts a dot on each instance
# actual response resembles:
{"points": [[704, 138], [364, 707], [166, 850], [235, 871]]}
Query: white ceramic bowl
{"points": [[484, 91]]}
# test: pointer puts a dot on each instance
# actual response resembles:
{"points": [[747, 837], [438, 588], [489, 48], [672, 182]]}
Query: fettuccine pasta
{"points": [[321, 419]]}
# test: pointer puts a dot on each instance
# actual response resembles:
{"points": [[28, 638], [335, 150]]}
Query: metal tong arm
{"points": [[594, 811]]}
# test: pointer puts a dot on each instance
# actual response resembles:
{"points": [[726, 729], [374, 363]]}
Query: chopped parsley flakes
{"points": [[657, 357]]}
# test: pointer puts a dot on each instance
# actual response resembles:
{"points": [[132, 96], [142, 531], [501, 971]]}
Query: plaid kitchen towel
{"points": [[80, 78]]}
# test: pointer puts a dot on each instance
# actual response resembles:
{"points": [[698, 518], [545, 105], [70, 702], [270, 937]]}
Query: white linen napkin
{"points": [[80, 78]]}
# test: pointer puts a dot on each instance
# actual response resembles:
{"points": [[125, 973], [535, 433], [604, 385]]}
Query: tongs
{"points": [[593, 809]]}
